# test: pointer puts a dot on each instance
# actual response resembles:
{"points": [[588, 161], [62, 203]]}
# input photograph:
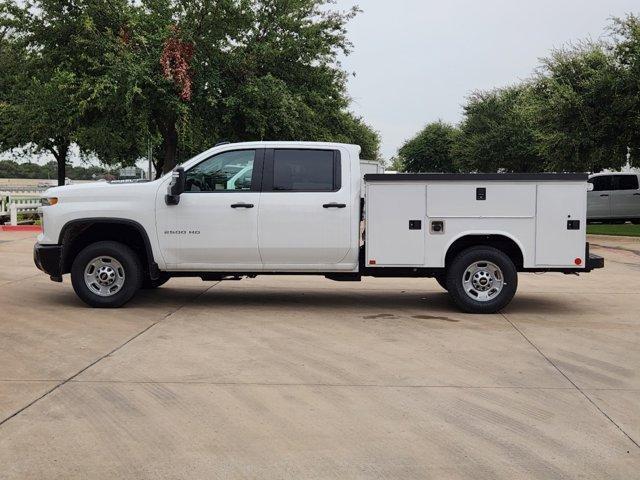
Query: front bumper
{"points": [[48, 258]]}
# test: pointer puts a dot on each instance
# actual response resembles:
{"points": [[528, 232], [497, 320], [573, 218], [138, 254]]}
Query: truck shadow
{"points": [[368, 303]]}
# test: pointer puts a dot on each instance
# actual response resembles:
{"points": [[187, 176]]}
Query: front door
{"points": [[599, 199], [305, 209], [215, 225], [625, 197]]}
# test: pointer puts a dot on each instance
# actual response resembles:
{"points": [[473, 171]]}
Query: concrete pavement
{"points": [[300, 377]]}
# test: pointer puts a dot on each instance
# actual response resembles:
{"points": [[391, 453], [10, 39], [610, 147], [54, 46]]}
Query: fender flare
{"points": [[472, 233], [154, 270]]}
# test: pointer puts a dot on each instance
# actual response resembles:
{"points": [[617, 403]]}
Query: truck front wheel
{"points": [[482, 280], [106, 274]]}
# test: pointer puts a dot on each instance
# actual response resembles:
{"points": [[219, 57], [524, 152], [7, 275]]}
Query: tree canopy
{"points": [[56, 74], [176, 76], [581, 116], [579, 112], [499, 133], [431, 150]]}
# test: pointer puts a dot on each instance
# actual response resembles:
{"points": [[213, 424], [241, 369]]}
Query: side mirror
{"points": [[176, 187]]}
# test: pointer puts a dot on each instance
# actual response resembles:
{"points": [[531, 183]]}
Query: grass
{"points": [[626, 229]]}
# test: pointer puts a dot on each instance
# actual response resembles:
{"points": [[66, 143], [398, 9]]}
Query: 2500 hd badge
{"points": [[182, 232]]}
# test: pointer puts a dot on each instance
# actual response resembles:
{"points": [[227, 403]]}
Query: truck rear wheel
{"points": [[482, 280], [106, 274]]}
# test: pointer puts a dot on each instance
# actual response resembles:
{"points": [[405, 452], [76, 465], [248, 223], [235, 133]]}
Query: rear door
{"points": [[625, 197], [599, 199], [304, 220]]}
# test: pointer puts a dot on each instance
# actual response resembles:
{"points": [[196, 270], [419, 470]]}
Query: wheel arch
{"points": [[502, 241], [77, 234]]}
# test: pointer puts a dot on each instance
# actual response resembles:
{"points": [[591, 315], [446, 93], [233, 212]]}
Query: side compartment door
{"points": [[599, 199], [215, 225], [305, 209], [625, 197], [560, 224]]}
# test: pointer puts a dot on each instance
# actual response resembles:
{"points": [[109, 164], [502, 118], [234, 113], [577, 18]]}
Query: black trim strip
{"points": [[154, 271], [447, 177]]}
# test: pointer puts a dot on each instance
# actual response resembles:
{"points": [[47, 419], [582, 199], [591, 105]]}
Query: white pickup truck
{"points": [[247, 209]]}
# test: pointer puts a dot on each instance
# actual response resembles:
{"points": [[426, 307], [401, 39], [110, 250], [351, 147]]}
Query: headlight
{"points": [[48, 202]]}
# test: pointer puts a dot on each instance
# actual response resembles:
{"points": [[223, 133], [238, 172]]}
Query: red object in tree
{"points": [[175, 59]]}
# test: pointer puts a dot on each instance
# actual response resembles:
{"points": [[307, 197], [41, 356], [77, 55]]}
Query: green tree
{"points": [[177, 75], [626, 51], [582, 114], [499, 132], [431, 150], [191, 73], [395, 164], [55, 76]]}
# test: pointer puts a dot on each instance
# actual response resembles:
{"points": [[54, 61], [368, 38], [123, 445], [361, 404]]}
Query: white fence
{"points": [[14, 200]]}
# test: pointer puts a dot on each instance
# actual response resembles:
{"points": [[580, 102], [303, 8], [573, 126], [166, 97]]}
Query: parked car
{"points": [[615, 198]]}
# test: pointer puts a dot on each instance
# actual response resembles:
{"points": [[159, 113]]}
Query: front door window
{"points": [[228, 171]]}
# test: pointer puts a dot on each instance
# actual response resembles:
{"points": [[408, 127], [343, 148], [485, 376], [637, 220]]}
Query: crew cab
{"points": [[246, 209]]}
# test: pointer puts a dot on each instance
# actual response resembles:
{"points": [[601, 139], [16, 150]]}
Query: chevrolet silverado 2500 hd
{"points": [[247, 209]]}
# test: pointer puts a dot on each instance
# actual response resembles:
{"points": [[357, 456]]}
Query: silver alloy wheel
{"points": [[483, 281], [104, 276]]}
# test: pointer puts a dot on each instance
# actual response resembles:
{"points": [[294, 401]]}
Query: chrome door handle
{"points": [[334, 205], [636, 194], [242, 205]]}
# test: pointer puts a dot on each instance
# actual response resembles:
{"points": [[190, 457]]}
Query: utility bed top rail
{"points": [[413, 177]]}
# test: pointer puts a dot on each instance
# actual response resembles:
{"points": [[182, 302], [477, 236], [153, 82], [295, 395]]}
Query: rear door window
{"points": [[297, 170], [625, 182]]}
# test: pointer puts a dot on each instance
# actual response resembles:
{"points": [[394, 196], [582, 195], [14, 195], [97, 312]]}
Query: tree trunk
{"points": [[60, 154], [169, 147]]}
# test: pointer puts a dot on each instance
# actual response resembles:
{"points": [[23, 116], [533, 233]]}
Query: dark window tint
{"points": [[601, 183], [626, 182], [305, 171], [228, 171]]}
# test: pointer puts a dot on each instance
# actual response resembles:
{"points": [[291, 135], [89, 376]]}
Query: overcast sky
{"points": [[416, 60]]}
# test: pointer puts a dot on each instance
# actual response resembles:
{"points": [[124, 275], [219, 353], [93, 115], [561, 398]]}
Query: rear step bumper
{"points": [[593, 261]]}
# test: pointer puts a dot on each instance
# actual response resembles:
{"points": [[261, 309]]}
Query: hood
{"points": [[101, 190]]}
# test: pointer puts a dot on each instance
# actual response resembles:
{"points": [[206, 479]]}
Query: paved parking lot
{"points": [[300, 377]]}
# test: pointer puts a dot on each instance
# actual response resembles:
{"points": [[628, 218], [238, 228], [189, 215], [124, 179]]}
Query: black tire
{"points": [[148, 284], [636, 221], [465, 259], [442, 280], [132, 276]]}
